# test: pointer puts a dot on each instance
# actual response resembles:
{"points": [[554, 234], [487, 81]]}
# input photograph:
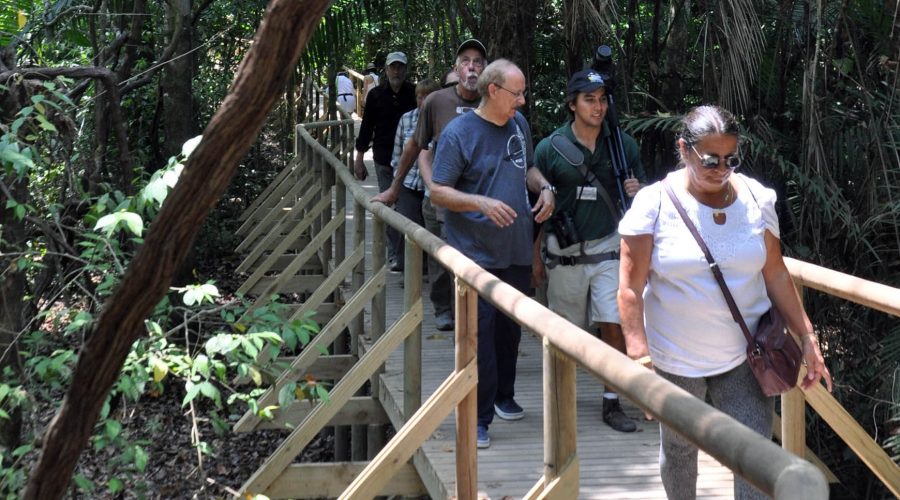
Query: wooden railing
{"points": [[325, 150], [793, 416]]}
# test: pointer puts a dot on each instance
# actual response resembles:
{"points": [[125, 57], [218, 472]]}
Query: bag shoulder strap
{"points": [[713, 265], [569, 152]]}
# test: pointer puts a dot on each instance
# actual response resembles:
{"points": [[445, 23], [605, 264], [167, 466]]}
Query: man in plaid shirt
{"points": [[412, 191]]}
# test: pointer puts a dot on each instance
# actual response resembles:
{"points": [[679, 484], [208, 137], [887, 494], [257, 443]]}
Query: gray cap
{"points": [[393, 57], [472, 44]]}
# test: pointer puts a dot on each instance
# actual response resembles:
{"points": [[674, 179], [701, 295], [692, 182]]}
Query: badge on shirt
{"points": [[587, 193]]}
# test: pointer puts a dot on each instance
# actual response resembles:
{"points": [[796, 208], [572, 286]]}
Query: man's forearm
{"points": [[454, 200], [425, 158], [535, 180]]}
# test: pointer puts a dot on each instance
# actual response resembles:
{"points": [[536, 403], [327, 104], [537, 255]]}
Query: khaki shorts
{"points": [[571, 288]]}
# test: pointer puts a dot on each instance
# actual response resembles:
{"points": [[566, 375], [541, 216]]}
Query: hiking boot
{"points": [[444, 321], [509, 410], [483, 441], [615, 417]]}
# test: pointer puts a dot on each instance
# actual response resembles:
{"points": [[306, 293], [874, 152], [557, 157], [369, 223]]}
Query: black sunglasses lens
{"points": [[711, 161], [733, 161]]}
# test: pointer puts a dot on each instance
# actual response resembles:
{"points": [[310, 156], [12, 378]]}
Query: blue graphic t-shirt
{"points": [[476, 156]]}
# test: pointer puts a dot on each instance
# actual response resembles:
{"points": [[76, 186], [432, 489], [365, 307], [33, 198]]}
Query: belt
{"points": [[573, 260]]}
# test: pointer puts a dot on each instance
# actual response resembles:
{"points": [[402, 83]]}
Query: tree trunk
{"points": [[12, 308], [180, 116], [260, 81], [508, 31]]}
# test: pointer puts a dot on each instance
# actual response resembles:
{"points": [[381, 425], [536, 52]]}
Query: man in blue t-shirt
{"points": [[482, 170]]}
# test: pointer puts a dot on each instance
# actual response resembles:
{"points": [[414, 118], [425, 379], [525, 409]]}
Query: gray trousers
{"points": [[409, 205], [385, 175], [736, 393], [441, 282]]}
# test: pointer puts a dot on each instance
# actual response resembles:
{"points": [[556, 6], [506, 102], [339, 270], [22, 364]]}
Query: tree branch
{"points": [[110, 81], [468, 18], [261, 77]]}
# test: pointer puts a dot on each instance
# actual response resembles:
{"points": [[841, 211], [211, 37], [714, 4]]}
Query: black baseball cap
{"points": [[472, 44], [586, 80]]}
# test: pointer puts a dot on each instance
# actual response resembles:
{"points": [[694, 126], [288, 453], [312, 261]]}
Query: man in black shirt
{"points": [[385, 105]]}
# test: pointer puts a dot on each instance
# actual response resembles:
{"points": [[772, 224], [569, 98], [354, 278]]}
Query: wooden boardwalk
{"points": [[613, 465]]}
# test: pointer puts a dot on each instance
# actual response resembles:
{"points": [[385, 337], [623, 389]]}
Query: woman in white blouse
{"points": [[672, 309]]}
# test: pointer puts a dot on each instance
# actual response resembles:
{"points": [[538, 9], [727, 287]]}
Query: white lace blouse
{"points": [[689, 328]]}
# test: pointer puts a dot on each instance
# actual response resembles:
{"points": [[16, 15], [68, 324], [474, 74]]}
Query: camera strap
{"points": [[570, 152]]}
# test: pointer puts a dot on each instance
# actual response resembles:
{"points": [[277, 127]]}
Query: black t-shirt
{"points": [[383, 111]]}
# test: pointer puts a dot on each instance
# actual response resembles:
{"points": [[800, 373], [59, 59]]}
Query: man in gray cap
{"points": [[582, 263], [385, 105], [438, 110]]}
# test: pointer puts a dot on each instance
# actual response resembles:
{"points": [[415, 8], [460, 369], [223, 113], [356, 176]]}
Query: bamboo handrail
{"points": [[771, 469]]}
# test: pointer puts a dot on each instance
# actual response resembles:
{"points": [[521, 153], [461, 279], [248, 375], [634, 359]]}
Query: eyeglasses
{"points": [[713, 161], [517, 95]]}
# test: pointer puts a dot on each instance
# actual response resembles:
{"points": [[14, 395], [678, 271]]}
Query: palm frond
{"points": [[740, 39]]}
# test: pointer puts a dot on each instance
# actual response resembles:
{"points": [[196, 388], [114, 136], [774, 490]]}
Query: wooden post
{"points": [[467, 410], [340, 236], [412, 347], [328, 181], [379, 257], [560, 425], [793, 414], [359, 272]]}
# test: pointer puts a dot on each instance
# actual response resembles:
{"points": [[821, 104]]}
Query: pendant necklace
{"points": [[719, 215]]}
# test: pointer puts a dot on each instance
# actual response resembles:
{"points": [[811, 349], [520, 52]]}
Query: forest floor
{"points": [[160, 425]]}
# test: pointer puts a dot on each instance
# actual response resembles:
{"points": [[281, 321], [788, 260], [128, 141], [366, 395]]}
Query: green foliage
{"points": [[171, 355]]}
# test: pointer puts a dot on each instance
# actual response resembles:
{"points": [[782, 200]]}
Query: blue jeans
{"points": [[498, 346]]}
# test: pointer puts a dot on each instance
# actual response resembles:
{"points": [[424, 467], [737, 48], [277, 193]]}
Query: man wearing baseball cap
{"points": [[438, 110], [583, 268], [385, 105]]}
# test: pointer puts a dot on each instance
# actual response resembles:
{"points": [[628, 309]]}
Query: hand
{"points": [[500, 213], [359, 168], [632, 186], [544, 206], [815, 363], [388, 196]]}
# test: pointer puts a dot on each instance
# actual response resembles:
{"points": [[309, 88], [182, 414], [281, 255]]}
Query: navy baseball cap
{"points": [[586, 80]]}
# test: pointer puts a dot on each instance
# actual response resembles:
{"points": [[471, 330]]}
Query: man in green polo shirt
{"points": [[583, 268]]}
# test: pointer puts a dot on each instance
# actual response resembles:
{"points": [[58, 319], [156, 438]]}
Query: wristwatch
{"points": [[549, 187]]}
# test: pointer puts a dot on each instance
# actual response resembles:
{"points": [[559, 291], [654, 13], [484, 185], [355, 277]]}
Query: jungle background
{"points": [[98, 99]]}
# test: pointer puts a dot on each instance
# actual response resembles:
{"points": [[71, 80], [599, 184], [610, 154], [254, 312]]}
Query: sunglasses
{"points": [[713, 161]]}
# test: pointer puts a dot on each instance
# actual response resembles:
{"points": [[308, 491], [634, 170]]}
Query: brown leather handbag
{"points": [[773, 355]]}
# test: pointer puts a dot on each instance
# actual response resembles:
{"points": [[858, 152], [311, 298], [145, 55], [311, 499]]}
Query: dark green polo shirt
{"points": [[592, 217]]}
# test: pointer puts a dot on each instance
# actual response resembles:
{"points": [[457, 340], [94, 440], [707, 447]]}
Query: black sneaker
{"points": [[509, 410], [615, 417]]}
